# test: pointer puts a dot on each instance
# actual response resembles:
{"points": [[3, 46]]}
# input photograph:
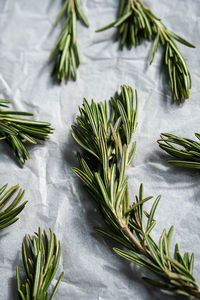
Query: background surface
{"points": [[56, 198]]}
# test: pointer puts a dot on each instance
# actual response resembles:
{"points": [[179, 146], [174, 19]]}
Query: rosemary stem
{"points": [[193, 292], [132, 3], [161, 29], [73, 5], [155, 21], [134, 241]]}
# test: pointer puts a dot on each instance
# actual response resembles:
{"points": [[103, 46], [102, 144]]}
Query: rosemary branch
{"points": [[105, 137], [135, 23], [8, 214], [186, 150], [41, 257], [16, 131], [66, 49]]}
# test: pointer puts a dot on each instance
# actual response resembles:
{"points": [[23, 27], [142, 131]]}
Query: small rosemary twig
{"points": [[186, 151], [41, 257], [135, 23], [66, 49], [16, 132]]}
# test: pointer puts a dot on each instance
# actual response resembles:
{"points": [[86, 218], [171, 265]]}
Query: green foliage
{"points": [[104, 135], [18, 131], [66, 49], [186, 150], [136, 23], [41, 257], [9, 213]]}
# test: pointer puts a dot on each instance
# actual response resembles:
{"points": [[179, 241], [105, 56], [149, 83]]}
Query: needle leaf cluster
{"points": [[9, 213], [16, 132], [104, 132], [66, 49], [136, 23], [41, 256], [186, 151]]}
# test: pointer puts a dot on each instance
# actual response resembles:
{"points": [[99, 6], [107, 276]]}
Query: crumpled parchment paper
{"points": [[56, 197]]}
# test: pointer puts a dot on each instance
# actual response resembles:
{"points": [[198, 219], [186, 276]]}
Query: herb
{"points": [[16, 131], [66, 49], [41, 257], [135, 23], [187, 151], [8, 214], [105, 139]]}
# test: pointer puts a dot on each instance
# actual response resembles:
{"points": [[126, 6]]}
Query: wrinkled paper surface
{"points": [[56, 197]]}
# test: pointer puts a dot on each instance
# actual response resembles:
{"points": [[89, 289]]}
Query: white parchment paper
{"points": [[56, 198]]}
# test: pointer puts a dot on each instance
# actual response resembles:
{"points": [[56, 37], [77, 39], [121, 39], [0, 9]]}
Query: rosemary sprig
{"points": [[66, 49], [9, 213], [16, 131], [41, 257], [186, 150], [135, 23], [105, 139]]}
